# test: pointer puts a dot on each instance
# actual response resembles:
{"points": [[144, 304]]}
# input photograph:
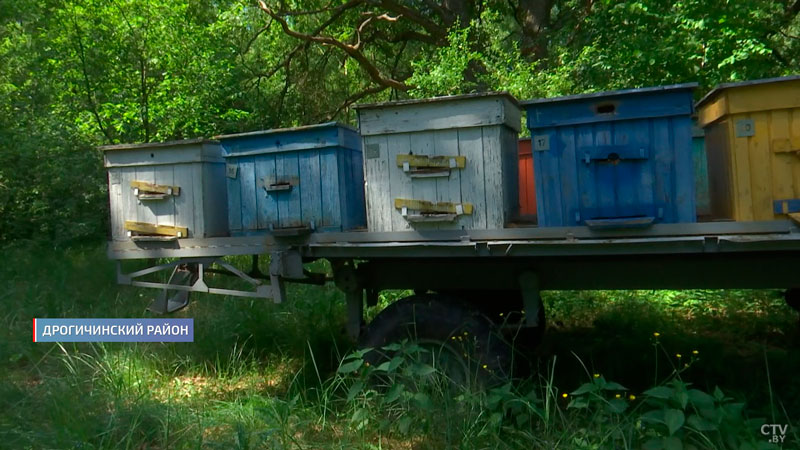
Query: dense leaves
{"points": [[82, 73]]}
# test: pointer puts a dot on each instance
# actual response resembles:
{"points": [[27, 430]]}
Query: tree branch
{"points": [[354, 98], [351, 50]]}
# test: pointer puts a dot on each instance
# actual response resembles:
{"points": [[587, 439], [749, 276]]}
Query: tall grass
{"points": [[261, 375]]}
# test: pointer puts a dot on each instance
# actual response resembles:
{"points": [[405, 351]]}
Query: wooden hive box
{"points": [[752, 136], [295, 180], [614, 159], [167, 190], [441, 163]]}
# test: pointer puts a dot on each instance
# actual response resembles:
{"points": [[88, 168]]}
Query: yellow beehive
{"points": [[753, 145]]}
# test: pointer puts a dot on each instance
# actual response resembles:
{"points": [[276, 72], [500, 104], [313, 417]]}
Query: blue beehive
{"points": [[294, 180], [620, 158]]}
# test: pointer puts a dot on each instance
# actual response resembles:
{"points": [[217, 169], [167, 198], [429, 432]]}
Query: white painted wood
{"points": [[470, 144], [115, 204], [164, 209], [399, 183], [457, 112], [376, 185], [483, 129], [144, 210], [184, 175], [195, 166], [160, 156], [493, 176], [445, 143], [422, 188]]}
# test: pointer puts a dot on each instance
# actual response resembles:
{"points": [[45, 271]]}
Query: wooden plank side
{"points": [[626, 179], [743, 193], [310, 187], [331, 189], [445, 143], [663, 158], [144, 210], [795, 134], [400, 184], [289, 208], [509, 153], [351, 169], [376, 187], [759, 156], [116, 204], [421, 143], [782, 185], [605, 176], [198, 202], [443, 115], [640, 137], [266, 204], [493, 176], [249, 185], [684, 206], [164, 209], [720, 170], [234, 187], [584, 140], [470, 144], [568, 187], [183, 176]]}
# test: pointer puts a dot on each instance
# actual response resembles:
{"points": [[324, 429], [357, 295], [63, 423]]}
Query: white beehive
{"points": [[441, 163], [166, 190]]}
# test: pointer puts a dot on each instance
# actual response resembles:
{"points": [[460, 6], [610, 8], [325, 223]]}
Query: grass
{"points": [[261, 375]]}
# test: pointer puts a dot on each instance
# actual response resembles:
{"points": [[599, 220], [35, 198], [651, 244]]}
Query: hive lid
{"points": [[157, 145], [721, 87], [329, 135], [618, 93], [285, 130], [439, 113], [446, 98]]}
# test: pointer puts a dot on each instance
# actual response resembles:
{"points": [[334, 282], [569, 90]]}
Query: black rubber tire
{"points": [[443, 320]]}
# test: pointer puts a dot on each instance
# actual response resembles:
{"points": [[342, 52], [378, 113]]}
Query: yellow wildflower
{"points": [[565, 395], [632, 397]]}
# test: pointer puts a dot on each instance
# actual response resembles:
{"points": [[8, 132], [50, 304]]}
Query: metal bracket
{"points": [[261, 290], [531, 297], [346, 279]]}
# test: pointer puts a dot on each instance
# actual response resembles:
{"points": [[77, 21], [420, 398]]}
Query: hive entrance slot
{"points": [[606, 108]]}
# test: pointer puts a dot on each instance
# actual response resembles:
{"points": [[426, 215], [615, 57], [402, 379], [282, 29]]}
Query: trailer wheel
{"points": [[460, 342]]}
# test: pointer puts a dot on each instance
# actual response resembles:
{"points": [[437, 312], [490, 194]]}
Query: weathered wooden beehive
{"points": [[614, 159], [167, 190], [752, 138], [295, 180], [441, 163]]}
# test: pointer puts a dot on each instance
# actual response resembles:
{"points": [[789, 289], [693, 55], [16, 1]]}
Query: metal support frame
{"points": [[261, 290], [346, 278], [531, 297]]}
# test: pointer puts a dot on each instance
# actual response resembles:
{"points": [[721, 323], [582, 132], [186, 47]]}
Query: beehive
{"points": [[441, 163], [167, 190], [614, 159], [527, 185], [298, 180], [752, 133]]}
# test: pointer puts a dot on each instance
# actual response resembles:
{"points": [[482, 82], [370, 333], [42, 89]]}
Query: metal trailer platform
{"points": [[524, 260]]}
